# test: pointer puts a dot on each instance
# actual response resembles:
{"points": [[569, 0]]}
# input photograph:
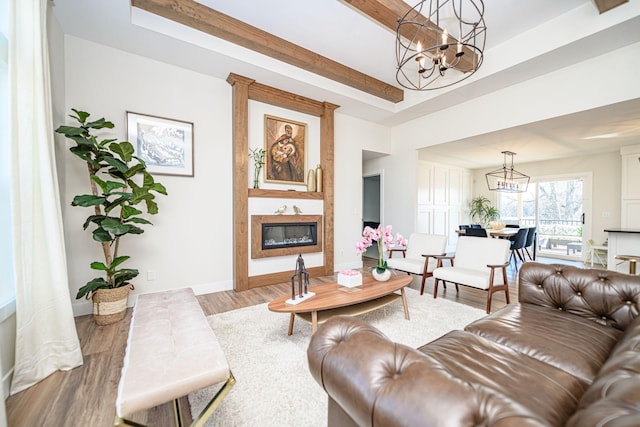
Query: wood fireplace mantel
{"points": [[245, 89]]}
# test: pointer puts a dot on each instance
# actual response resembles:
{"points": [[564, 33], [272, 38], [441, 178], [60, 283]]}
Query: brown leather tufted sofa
{"points": [[567, 354]]}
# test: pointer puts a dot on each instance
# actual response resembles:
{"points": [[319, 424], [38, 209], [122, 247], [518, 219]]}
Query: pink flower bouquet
{"points": [[385, 241]]}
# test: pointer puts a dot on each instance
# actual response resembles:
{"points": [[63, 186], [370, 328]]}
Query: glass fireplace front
{"points": [[289, 235]]}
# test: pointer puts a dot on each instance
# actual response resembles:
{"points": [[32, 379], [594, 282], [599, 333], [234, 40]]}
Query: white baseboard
{"points": [[210, 288], [84, 307], [6, 384]]}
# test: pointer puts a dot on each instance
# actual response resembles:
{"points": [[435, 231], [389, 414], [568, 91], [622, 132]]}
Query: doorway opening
{"points": [[558, 208], [371, 207]]}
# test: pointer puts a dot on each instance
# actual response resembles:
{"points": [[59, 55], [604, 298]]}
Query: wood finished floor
{"points": [[85, 396]]}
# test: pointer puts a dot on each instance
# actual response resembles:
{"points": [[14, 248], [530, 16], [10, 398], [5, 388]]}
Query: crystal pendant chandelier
{"points": [[440, 43], [506, 178]]}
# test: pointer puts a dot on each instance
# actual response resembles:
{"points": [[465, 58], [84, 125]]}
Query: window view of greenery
{"points": [[558, 215]]}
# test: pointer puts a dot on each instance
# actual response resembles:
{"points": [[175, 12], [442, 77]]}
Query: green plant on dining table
{"points": [[481, 211], [119, 183]]}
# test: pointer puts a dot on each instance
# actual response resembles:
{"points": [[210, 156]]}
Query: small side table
{"points": [[633, 259]]}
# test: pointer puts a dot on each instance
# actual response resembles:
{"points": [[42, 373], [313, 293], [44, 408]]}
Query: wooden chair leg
{"points": [[506, 284], [490, 290], [435, 288], [424, 277]]}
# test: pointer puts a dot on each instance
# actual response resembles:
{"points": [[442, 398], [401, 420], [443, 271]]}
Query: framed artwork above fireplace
{"points": [[285, 144]]}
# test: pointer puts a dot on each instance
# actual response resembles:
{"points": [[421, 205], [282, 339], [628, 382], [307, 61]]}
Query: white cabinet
{"points": [[442, 196], [630, 187]]}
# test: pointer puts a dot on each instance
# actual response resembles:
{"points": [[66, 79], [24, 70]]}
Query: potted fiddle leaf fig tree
{"points": [[121, 188]]}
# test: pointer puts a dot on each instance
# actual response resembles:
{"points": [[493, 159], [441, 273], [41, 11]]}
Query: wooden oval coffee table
{"points": [[332, 299]]}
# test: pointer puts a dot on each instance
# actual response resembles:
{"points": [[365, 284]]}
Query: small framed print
{"points": [[285, 146], [165, 145]]}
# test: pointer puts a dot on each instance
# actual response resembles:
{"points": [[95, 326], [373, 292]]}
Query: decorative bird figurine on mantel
{"points": [[297, 210], [281, 210]]}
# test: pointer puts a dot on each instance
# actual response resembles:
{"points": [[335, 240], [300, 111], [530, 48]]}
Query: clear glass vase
{"points": [[256, 177]]}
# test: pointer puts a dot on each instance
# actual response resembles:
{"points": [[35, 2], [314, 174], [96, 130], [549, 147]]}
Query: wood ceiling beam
{"points": [[217, 24], [605, 5], [387, 13]]}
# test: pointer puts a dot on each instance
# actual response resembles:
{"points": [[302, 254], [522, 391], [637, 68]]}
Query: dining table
{"points": [[505, 233]]}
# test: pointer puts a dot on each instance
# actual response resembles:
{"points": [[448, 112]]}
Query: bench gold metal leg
{"points": [[215, 402], [117, 421], [201, 419], [177, 413]]}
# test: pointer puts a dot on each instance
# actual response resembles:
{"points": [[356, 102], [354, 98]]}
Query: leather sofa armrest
{"points": [[377, 382]]}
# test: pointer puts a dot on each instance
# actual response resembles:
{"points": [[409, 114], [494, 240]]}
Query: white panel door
{"points": [[440, 185], [424, 224], [441, 221]]}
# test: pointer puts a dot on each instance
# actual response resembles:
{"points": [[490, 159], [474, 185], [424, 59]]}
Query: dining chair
{"points": [[531, 237], [476, 232], [517, 244]]}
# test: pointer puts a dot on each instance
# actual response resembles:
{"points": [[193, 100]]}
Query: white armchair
{"points": [[475, 264], [419, 257]]}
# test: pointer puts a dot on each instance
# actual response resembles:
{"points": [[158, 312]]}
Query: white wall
{"points": [[189, 243], [351, 137], [398, 180]]}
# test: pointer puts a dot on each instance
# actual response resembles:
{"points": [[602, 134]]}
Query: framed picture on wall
{"points": [[285, 144], [165, 145]]}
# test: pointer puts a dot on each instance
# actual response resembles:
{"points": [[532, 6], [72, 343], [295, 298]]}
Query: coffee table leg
{"points": [[291, 319], [404, 303], [314, 321]]}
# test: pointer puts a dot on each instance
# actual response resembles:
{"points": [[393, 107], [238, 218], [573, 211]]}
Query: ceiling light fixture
{"points": [[506, 178], [440, 43]]}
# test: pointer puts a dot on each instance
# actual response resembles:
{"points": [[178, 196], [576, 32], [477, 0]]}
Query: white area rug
{"points": [[274, 386]]}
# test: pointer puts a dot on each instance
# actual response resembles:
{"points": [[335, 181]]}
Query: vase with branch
{"points": [[257, 154]]}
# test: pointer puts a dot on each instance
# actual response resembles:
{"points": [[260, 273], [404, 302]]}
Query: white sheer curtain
{"points": [[46, 337]]}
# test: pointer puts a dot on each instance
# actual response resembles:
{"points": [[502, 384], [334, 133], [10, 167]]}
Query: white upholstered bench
{"points": [[171, 352]]}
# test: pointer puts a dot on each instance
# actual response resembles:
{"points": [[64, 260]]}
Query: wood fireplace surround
{"points": [[245, 89], [280, 235]]}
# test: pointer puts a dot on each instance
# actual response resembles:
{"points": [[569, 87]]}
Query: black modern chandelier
{"points": [[440, 43], [506, 178]]}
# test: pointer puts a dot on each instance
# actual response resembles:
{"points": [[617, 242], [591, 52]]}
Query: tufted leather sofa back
{"points": [[606, 297]]}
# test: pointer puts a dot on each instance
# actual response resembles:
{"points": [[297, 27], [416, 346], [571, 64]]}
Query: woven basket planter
{"points": [[110, 305]]}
